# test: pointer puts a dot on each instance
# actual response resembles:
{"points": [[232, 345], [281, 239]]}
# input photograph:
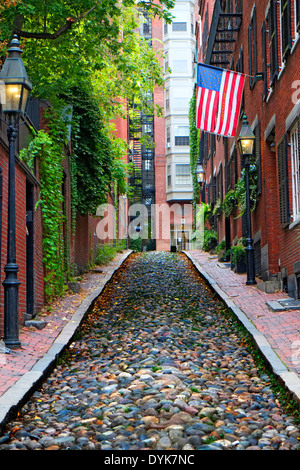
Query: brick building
{"points": [[261, 40], [81, 243]]}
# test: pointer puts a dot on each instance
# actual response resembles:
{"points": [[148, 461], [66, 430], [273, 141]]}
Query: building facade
{"points": [[173, 181], [261, 40]]}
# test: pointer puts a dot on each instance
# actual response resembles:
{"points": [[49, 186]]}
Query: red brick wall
{"points": [[283, 244], [162, 242], [20, 233]]}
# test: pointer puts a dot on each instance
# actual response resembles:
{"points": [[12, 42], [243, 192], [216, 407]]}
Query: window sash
{"points": [[295, 160], [273, 41], [283, 182], [179, 26], [286, 33]]}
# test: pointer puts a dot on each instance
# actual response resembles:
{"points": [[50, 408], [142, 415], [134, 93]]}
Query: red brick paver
{"points": [[35, 343], [281, 329]]}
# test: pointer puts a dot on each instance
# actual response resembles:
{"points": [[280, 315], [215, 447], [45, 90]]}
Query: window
{"points": [[265, 61], [181, 98], [179, 65], [183, 174], [168, 133], [169, 176], [182, 140], [281, 25], [182, 135], [167, 99], [273, 41], [252, 45], [286, 33], [148, 164], [283, 181], [179, 26], [166, 62], [294, 137]]}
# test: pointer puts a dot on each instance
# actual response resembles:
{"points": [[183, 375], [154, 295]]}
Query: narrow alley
{"points": [[159, 364]]}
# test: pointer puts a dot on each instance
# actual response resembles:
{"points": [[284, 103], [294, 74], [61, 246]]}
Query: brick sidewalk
{"points": [[36, 343], [281, 329]]}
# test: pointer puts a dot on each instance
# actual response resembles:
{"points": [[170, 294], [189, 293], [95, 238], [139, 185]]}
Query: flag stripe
{"points": [[230, 103], [238, 101], [222, 102], [218, 100]]}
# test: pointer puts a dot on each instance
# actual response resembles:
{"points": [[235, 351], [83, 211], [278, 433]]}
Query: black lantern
{"points": [[246, 139], [15, 88], [200, 173], [14, 82], [246, 142]]}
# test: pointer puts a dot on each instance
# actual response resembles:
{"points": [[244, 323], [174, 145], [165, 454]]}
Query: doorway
{"points": [[29, 249]]}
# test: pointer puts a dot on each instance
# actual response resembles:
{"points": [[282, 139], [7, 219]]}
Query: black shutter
{"points": [[251, 78], [283, 181], [298, 15], [252, 47], [221, 182], [264, 60], [273, 41], [286, 34], [257, 155]]}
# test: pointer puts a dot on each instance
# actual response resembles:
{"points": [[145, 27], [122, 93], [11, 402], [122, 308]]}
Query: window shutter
{"points": [[298, 15], [264, 60], [283, 181], [252, 46], [251, 79], [257, 155], [286, 34], [273, 41], [221, 182]]}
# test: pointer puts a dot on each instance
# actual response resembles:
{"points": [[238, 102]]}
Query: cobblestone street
{"points": [[160, 364]]}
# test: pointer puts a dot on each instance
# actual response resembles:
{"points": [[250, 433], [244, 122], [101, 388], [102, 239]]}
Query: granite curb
{"points": [[290, 380], [15, 397]]}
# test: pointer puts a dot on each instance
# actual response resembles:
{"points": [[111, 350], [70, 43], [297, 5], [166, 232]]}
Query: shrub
{"points": [[210, 240]]}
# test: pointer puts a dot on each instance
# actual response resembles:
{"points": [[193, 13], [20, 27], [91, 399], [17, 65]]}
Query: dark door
{"points": [[29, 249]]}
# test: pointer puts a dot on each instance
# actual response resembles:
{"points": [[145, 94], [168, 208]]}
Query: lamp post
{"points": [[246, 142], [15, 88], [200, 173]]}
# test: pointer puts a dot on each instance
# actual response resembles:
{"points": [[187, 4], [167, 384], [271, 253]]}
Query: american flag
{"points": [[219, 94]]}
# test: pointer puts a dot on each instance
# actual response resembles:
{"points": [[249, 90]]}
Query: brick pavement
{"points": [[281, 329], [279, 333], [22, 368]]}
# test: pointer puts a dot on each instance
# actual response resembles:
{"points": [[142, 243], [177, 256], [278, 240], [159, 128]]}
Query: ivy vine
{"points": [[48, 150], [194, 151]]}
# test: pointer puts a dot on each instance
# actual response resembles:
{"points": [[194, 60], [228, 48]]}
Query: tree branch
{"points": [[43, 35]]}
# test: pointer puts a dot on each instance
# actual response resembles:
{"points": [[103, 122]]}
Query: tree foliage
{"points": [[87, 54]]}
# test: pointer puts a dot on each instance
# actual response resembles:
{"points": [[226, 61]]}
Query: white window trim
{"points": [[294, 139]]}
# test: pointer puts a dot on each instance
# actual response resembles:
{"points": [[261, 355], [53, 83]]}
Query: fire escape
{"points": [[141, 138]]}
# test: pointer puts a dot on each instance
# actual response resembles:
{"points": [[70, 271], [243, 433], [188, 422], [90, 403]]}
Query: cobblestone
{"points": [[159, 365]]}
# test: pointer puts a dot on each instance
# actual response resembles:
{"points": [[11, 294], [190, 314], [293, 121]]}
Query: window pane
{"points": [[183, 174], [178, 26], [295, 171]]}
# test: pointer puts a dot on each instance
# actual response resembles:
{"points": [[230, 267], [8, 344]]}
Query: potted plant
{"points": [[229, 203], [210, 240], [220, 249], [238, 257], [218, 208]]}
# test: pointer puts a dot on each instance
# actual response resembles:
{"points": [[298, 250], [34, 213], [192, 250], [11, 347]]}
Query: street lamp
{"points": [[15, 88], [246, 143], [200, 173]]}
